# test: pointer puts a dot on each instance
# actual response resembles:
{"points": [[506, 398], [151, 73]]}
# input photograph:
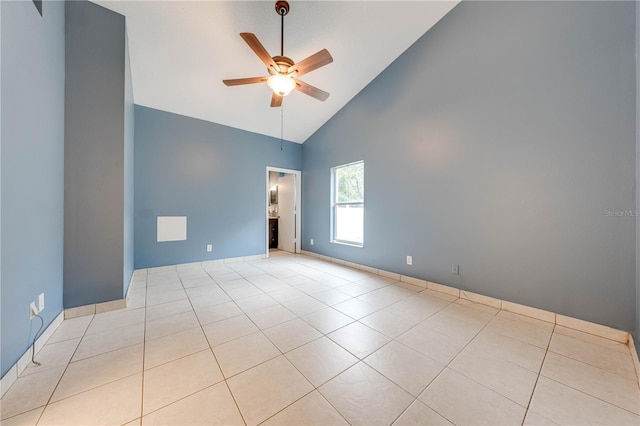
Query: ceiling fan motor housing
{"points": [[283, 63]]}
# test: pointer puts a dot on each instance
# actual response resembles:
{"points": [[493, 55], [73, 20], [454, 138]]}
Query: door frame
{"points": [[298, 205]]}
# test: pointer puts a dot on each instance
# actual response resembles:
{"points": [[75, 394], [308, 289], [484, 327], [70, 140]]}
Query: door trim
{"points": [[298, 204]]}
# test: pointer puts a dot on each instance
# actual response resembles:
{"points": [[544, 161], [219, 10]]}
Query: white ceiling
{"points": [[182, 50]]}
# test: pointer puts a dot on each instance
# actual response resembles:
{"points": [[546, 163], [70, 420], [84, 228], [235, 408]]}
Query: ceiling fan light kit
{"points": [[281, 85], [283, 71]]}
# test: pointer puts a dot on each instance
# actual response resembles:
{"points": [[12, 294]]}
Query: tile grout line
{"points": [[68, 364], [144, 345], [224, 378], [260, 330], [109, 351], [592, 396], [535, 385], [315, 389], [449, 363], [619, 375], [589, 365], [283, 354], [65, 370], [604, 370], [362, 360], [359, 360]]}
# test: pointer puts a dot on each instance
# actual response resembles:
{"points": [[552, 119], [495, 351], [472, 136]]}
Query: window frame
{"points": [[335, 204]]}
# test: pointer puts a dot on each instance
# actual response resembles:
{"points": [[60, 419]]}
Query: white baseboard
{"points": [[413, 281], [98, 308], [480, 298], [133, 275], [552, 317], [16, 369], [95, 308], [204, 264], [634, 355]]}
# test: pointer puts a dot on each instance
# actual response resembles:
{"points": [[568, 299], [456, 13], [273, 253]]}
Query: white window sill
{"points": [[347, 243]]}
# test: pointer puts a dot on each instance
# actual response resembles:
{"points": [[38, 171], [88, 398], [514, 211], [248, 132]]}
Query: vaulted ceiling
{"points": [[182, 50]]}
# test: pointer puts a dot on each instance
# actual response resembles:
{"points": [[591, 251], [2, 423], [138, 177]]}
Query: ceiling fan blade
{"points": [[259, 50], [276, 100], [314, 92], [311, 63], [239, 81]]}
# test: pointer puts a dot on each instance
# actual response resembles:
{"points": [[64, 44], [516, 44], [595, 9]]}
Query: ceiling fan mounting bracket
{"points": [[282, 7]]}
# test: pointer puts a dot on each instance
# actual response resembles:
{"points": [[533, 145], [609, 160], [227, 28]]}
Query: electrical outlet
{"points": [[312, 241], [41, 302], [455, 269], [209, 247], [409, 260], [33, 311]]}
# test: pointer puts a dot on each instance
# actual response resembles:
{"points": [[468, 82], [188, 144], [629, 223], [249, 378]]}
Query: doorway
{"points": [[283, 209]]}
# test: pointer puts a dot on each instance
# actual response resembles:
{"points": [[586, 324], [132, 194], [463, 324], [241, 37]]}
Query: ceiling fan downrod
{"points": [[282, 8]]}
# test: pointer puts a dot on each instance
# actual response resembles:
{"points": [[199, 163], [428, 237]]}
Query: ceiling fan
{"points": [[283, 72]]}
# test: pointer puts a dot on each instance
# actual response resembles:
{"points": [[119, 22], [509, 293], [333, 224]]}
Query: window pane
{"points": [[350, 183], [349, 222]]}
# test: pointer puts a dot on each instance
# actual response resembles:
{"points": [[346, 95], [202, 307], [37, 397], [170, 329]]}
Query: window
{"points": [[347, 197]]}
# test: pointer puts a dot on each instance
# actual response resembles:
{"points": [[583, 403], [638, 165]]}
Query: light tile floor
{"points": [[296, 340]]}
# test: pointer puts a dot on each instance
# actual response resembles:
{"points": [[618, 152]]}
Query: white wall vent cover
{"points": [[172, 228]]}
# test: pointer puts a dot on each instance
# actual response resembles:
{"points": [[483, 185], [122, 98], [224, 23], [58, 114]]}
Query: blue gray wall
{"points": [[498, 141], [32, 186], [129, 132], [95, 147], [2, 368], [213, 174], [636, 335]]}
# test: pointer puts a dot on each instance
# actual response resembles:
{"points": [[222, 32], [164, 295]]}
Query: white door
{"points": [[287, 213]]}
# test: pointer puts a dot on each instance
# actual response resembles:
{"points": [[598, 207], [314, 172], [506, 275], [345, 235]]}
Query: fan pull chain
{"points": [[281, 126]]}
